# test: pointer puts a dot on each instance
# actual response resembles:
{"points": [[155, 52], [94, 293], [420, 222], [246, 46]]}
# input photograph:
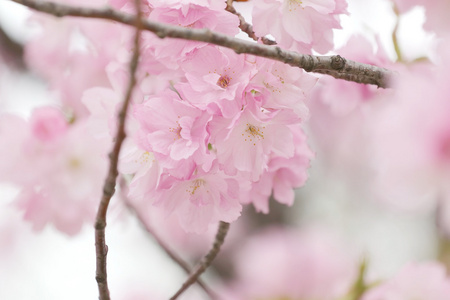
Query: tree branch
{"points": [[174, 256], [247, 27], [335, 65], [101, 249], [207, 260], [11, 51]]}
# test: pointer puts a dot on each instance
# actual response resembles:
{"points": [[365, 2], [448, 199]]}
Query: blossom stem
{"points": [[334, 65], [246, 27], [207, 260], [398, 52], [101, 249]]}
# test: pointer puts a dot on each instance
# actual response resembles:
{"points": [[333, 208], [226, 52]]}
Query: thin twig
{"points": [[394, 34], [11, 51], [174, 256], [101, 249], [207, 260], [334, 65], [247, 27]]}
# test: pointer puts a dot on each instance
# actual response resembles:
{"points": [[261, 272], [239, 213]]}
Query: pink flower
{"points": [[342, 96], [201, 201], [279, 86], [145, 170], [48, 124], [283, 263], [299, 25], [187, 14], [414, 281], [282, 176], [436, 12], [216, 79], [246, 142], [60, 171], [412, 134], [171, 127]]}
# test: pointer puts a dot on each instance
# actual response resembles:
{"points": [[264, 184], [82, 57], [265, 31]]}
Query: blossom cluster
{"points": [[208, 130]]}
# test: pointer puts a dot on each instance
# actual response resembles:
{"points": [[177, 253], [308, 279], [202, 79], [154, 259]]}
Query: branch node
{"points": [[338, 62]]}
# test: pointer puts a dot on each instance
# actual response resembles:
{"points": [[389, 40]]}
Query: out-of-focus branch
{"points": [[207, 260], [174, 256], [247, 27], [334, 65], [11, 51], [101, 249]]}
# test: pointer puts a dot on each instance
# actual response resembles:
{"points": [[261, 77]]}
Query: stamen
{"points": [[223, 81]]}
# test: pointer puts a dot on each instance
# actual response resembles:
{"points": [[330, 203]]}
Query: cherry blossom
{"points": [[299, 25], [65, 170], [216, 79], [414, 281], [299, 264]]}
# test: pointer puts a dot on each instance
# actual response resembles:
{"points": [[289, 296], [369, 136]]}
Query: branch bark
{"points": [[207, 260], [247, 27], [101, 249], [174, 256], [11, 51], [334, 65]]}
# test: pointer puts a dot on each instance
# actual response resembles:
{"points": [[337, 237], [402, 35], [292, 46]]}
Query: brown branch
{"points": [[101, 249], [246, 27], [174, 256], [335, 66], [11, 51], [207, 260]]}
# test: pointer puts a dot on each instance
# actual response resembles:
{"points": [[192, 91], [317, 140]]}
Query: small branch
{"points": [[335, 66], [11, 51], [207, 260], [101, 249], [246, 27], [174, 256], [394, 34]]}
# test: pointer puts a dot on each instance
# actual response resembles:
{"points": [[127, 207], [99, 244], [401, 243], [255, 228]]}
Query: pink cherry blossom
{"points": [[412, 133], [65, 169], [47, 124], [171, 127], [246, 142], [187, 14], [414, 281], [279, 86], [299, 25], [200, 201], [283, 175], [283, 263], [216, 79], [343, 96]]}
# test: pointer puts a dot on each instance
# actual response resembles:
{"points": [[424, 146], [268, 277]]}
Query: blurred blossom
{"points": [[412, 137], [414, 281], [285, 263], [59, 168]]}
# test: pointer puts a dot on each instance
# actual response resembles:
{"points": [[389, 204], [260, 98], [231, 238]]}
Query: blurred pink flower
{"points": [[299, 25], [436, 13], [414, 281], [60, 169], [283, 263]]}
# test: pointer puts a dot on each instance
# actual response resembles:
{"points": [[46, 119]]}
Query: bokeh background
{"points": [[337, 198]]}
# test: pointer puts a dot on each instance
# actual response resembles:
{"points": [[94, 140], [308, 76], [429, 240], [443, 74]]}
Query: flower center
{"points": [[176, 131], [223, 81], [294, 4], [253, 132], [195, 185]]}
